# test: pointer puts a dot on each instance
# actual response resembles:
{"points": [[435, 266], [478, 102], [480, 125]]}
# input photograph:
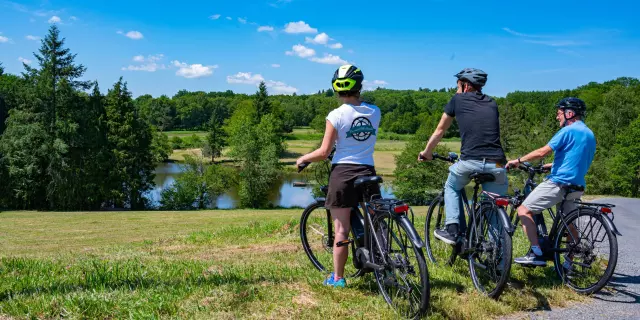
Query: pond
{"points": [[282, 194]]}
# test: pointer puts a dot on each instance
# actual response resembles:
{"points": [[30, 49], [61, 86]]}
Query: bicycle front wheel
{"points": [[404, 282], [490, 257], [437, 251], [317, 234], [586, 251]]}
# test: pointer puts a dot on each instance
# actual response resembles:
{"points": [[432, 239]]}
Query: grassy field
{"points": [[212, 265], [303, 140]]}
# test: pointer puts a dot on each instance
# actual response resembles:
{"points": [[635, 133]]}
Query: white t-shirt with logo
{"points": [[357, 128]]}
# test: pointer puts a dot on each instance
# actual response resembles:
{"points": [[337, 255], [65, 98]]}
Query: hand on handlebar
{"points": [[301, 164], [512, 164], [424, 156]]}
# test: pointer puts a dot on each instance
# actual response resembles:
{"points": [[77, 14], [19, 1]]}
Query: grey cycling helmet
{"points": [[476, 77]]}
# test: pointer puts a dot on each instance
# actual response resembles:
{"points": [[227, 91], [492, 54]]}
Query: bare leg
{"points": [[342, 225], [528, 225]]}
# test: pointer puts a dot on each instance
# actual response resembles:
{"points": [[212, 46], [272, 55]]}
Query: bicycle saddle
{"points": [[572, 187], [364, 181], [481, 177]]}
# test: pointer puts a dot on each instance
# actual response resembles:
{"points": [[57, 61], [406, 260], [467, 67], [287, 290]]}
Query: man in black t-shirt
{"points": [[481, 151]]}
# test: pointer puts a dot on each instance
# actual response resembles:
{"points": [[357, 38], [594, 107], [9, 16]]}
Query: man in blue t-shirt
{"points": [[574, 147]]}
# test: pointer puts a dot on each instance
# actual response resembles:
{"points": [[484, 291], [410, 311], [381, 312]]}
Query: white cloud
{"points": [[34, 38], [245, 78], [350, 51], [73, 18], [265, 28], [557, 43], [195, 70], [301, 51], [275, 65], [329, 59], [322, 38], [23, 60], [149, 64], [54, 19], [372, 85], [243, 21], [135, 35], [299, 27], [336, 46], [229, 18], [4, 39], [214, 17], [278, 87]]}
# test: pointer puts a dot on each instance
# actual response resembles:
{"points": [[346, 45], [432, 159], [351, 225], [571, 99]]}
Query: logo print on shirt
{"points": [[361, 129]]}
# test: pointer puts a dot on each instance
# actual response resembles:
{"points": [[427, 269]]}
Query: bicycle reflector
{"points": [[401, 208], [605, 210], [501, 202]]}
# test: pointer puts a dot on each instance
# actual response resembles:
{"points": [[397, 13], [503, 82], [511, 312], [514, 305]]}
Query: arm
{"points": [[323, 152], [533, 155], [445, 123]]}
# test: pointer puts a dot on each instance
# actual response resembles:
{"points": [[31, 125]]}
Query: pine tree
{"points": [[261, 101], [129, 138]]}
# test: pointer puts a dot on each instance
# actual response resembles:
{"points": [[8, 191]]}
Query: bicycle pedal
{"points": [[344, 243]]}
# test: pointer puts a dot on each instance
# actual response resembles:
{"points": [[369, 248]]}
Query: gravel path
{"points": [[622, 299]]}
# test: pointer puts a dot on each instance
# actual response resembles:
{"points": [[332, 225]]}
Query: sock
{"points": [[536, 250], [452, 228]]}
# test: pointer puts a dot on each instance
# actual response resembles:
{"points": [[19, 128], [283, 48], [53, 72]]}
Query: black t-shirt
{"points": [[477, 116]]}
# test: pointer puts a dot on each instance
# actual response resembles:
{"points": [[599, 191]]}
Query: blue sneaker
{"points": [[332, 283]]}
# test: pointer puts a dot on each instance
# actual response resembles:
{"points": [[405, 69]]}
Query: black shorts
{"points": [[342, 193]]}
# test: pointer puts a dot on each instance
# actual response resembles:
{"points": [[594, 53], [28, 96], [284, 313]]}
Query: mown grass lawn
{"points": [[212, 265]]}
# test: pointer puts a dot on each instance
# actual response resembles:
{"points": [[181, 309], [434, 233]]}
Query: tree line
{"points": [[66, 146]]}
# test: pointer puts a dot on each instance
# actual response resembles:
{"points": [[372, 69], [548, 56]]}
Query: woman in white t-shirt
{"points": [[353, 127]]}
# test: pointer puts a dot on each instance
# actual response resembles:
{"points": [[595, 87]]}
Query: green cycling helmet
{"points": [[347, 78]]}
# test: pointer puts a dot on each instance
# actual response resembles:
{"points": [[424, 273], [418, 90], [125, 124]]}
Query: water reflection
{"points": [[282, 194]]}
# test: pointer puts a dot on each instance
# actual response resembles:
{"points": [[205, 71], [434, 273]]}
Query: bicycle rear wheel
{"points": [[317, 233], [404, 283], [437, 251], [590, 252], [490, 257]]}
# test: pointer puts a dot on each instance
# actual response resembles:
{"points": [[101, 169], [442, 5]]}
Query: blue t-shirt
{"points": [[574, 147]]}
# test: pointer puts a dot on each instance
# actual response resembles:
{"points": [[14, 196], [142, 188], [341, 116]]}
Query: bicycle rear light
{"points": [[501, 202], [401, 208]]}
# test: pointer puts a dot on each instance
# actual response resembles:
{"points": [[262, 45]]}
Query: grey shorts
{"points": [[548, 194]]}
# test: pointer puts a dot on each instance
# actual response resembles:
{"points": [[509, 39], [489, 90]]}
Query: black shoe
{"points": [[445, 236], [531, 259]]}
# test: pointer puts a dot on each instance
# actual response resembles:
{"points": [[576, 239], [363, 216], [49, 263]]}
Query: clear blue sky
{"points": [[162, 47]]}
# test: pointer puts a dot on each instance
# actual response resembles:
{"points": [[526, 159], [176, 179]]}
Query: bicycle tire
{"points": [[504, 247], [436, 249], [350, 270], [613, 250], [383, 278]]}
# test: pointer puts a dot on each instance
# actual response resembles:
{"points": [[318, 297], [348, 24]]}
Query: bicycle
{"points": [[487, 245], [381, 242], [567, 245]]}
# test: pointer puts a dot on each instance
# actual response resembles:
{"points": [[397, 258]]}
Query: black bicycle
{"points": [[486, 245], [582, 243], [383, 241]]}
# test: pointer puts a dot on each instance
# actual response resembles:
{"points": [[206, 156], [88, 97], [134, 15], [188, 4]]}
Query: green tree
{"points": [[625, 163], [261, 101], [217, 137], [198, 186], [130, 139], [256, 146], [419, 182], [160, 146]]}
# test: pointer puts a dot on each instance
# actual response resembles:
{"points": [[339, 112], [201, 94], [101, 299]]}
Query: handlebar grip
{"points": [[302, 166]]}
